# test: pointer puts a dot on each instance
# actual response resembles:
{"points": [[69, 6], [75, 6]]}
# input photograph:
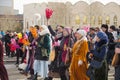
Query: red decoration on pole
{"points": [[48, 13]]}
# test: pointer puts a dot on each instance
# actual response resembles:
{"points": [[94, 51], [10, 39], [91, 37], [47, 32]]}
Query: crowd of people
{"points": [[64, 52]]}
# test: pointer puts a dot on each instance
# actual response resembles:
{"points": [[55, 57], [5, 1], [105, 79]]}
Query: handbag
{"points": [[116, 60], [52, 55], [96, 64], [90, 72]]}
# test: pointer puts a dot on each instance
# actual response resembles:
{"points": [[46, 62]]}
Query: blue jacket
{"points": [[100, 50]]}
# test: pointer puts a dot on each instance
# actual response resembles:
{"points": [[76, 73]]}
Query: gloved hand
{"points": [[80, 62]]}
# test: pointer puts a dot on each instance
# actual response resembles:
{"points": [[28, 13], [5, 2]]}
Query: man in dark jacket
{"points": [[111, 44], [7, 42]]}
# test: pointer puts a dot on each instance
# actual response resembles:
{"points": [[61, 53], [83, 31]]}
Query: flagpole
{"points": [[47, 22]]}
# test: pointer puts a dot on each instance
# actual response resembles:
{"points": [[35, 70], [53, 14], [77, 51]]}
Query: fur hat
{"points": [[102, 35], [44, 31], [82, 32], [44, 27]]}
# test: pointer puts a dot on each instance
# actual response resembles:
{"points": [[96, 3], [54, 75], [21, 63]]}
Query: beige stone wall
{"points": [[6, 7], [81, 9], [9, 18], [65, 14], [59, 14], [112, 9], [29, 14], [10, 22]]}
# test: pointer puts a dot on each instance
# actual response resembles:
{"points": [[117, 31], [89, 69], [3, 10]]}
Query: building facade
{"points": [[9, 18], [11, 22], [7, 7], [79, 14]]}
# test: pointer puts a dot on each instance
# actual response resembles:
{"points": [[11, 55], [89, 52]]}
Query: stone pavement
{"points": [[13, 71], [111, 73], [9, 59], [15, 75]]}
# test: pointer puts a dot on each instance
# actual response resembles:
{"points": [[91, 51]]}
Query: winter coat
{"points": [[3, 71], [43, 48], [79, 52], [100, 50], [7, 38], [111, 41], [99, 54], [66, 42], [117, 67]]}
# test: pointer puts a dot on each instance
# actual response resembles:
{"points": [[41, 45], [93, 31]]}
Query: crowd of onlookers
{"points": [[64, 52]]}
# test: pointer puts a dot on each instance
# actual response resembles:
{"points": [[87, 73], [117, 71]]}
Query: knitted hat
{"points": [[102, 35], [82, 32]]}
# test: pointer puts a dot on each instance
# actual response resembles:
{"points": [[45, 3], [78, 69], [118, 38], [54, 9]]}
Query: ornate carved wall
{"points": [[65, 14]]}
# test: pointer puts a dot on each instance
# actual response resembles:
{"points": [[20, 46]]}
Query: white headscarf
{"points": [[44, 31], [82, 33]]}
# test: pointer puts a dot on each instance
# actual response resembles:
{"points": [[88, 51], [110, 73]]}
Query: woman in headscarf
{"points": [[78, 67], [98, 63], [3, 71], [64, 56], [42, 52]]}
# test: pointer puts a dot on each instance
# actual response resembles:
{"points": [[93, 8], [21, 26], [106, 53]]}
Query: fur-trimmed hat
{"points": [[102, 35], [82, 32]]}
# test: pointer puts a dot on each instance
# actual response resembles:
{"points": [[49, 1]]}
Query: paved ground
{"points": [[15, 75], [111, 73], [13, 71]]}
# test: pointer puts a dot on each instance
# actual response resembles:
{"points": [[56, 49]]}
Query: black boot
{"points": [[48, 78], [35, 77]]}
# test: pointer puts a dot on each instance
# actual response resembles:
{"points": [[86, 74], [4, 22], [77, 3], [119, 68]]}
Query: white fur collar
{"points": [[83, 38], [44, 32]]}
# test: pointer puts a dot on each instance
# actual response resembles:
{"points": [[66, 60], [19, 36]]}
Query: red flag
{"points": [[48, 13]]}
